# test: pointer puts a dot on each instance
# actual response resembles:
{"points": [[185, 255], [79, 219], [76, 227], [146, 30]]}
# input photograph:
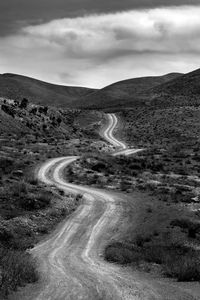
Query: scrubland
{"points": [[164, 236], [29, 135]]}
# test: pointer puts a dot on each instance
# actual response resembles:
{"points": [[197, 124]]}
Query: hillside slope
{"points": [[187, 84], [126, 92], [173, 89], [16, 87], [182, 91]]}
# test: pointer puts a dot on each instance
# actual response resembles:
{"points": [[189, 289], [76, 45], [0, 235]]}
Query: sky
{"points": [[95, 43]]}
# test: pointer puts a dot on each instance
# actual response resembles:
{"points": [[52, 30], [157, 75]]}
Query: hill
{"points": [[127, 92], [173, 89], [17, 87], [181, 91], [187, 84]]}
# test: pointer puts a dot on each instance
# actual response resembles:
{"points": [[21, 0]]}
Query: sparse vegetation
{"points": [[29, 209], [167, 171], [171, 129], [171, 176], [176, 261]]}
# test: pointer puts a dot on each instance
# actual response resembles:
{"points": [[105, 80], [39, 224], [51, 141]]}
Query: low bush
{"points": [[6, 165], [32, 180], [19, 188], [33, 202], [122, 254], [44, 199], [192, 227], [177, 261], [5, 234], [140, 240], [17, 268], [184, 268]]}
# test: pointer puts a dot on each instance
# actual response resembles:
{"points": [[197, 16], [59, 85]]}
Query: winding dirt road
{"points": [[121, 148], [108, 133], [71, 261]]}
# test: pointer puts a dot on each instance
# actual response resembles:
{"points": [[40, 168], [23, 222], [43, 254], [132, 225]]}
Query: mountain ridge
{"points": [[173, 89], [126, 92], [14, 86]]}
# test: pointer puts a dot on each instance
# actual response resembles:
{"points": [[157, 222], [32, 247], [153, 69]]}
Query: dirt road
{"points": [[71, 260]]}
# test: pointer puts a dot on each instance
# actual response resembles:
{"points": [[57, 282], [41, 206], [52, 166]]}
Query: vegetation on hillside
{"points": [[162, 128], [167, 172], [124, 93], [171, 90]]}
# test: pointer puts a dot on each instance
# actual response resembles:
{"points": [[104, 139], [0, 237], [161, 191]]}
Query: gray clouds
{"points": [[165, 29], [99, 49], [13, 13]]}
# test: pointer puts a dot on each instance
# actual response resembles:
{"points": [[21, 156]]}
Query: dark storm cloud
{"points": [[13, 13]]}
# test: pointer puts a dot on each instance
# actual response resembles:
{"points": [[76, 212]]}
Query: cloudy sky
{"points": [[94, 43]]}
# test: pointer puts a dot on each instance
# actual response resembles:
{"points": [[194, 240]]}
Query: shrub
{"points": [[99, 167], [8, 110], [19, 188], [184, 268], [5, 234], [44, 199], [177, 261], [6, 165], [149, 210], [32, 202], [140, 240], [125, 185], [192, 227], [17, 269], [24, 103], [156, 254], [33, 181], [122, 254], [33, 110], [61, 192]]}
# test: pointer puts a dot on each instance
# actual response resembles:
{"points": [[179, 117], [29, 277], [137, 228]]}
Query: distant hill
{"points": [[17, 87], [123, 93], [182, 91], [187, 84], [173, 89]]}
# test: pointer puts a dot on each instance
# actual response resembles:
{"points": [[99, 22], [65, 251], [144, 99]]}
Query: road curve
{"points": [[71, 261], [108, 133], [121, 148]]}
